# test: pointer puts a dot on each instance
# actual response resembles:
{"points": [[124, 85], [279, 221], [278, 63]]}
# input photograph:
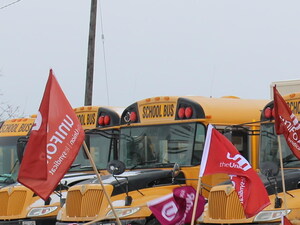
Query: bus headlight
{"points": [[270, 215], [122, 212], [41, 211]]}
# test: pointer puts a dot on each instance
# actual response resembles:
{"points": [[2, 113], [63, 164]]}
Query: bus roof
{"points": [[16, 127], [215, 110]]}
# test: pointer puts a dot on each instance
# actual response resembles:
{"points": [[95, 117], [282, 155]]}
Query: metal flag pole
{"points": [[100, 180]]}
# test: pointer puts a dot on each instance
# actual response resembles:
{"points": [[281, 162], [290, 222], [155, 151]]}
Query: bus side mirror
{"points": [[269, 169], [116, 167]]}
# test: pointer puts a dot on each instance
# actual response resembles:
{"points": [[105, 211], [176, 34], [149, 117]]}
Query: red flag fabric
{"points": [[220, 156], [177, 207], [285, 221], [286, 123], [53, 144]]}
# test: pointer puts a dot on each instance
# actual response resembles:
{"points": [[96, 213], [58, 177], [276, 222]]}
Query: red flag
{"points": [[286, 123], [177, 207], [53, 144], [220, 156], [285, 221]]}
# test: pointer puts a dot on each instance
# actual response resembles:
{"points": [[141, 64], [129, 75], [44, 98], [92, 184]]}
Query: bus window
{"points": [[101, 149], [150, 146], [239, 137], [269, 148], [8, 156], [199, 144]]}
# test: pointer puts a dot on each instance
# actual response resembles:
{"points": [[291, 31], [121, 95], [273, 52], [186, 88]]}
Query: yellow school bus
{"points": [[19, 205], [11, 131], [161, 144], [223, 204]]}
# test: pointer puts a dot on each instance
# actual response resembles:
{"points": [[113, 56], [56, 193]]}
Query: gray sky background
{"points": [[152, 48]]}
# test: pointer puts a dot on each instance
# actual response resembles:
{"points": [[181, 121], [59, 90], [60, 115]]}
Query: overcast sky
{"points": [[152, 48]]}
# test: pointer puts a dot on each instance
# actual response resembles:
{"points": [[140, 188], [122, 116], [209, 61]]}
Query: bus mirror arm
{"points": [[116, 167], [270, 170], [175, 171]]}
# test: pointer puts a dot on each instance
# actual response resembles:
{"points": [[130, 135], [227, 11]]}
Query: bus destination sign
{"points": [[294, 106], [17, 128], [87, 119], [156, 111]]}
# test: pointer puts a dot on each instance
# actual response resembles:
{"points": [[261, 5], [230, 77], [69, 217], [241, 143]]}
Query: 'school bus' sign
{"points": [[294, 105], [19, 126], [87, 117], [153, 111]]}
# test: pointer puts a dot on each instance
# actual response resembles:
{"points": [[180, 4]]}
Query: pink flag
{"points": [[53, 144], [177, 207], [286, 123], [220, 156]]}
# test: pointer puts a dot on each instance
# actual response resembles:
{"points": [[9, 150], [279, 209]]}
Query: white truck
{"points": [[285, 87]]}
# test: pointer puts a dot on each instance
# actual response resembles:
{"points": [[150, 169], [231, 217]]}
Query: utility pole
{"points": [[90, 55]]}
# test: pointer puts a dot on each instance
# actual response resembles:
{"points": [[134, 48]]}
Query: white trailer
{"points": [[285, 87]]}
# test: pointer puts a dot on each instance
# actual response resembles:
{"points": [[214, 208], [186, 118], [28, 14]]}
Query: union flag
{"points": [[54, 142], [286, 123], [220, 156]]}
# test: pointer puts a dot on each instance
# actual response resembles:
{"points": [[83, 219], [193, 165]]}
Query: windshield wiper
{"points": [[166, 164], [81, 167], [86, 167], [6, 179], [142, 163], [288, 159], [75, 165]]}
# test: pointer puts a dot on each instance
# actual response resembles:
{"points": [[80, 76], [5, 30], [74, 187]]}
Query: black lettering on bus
{"points": [[9, 128], [153, 111], [81, 119], [90, 119], [295, 107], [25, 127], [168, 110], [144, 112]]}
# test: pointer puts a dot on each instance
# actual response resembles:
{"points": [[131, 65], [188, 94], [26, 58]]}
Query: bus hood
{"points": [[138, 179]]}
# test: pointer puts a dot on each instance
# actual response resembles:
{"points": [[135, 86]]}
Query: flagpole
{"points": [[282, 172], [100, 180], [196, 201]]}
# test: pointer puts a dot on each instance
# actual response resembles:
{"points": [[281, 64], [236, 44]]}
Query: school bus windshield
{"points": [[269, 151], [100, 149], [162, 145], [8, 159]]}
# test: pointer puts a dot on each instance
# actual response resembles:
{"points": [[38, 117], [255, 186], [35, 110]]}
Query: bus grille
{"points": [[224, 206], [12, 203], [85, 204]]}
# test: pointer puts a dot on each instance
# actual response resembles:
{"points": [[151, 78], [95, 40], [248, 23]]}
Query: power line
{"points": [[9, 4], [104, 56]]}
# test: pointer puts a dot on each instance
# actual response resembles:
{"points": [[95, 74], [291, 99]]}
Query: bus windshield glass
{"points": [[9, 165], [100, 148], [269, 150], [162, 145]]}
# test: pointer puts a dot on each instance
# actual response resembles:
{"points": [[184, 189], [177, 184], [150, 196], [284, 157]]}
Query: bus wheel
{"points": [[153, 221]]}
